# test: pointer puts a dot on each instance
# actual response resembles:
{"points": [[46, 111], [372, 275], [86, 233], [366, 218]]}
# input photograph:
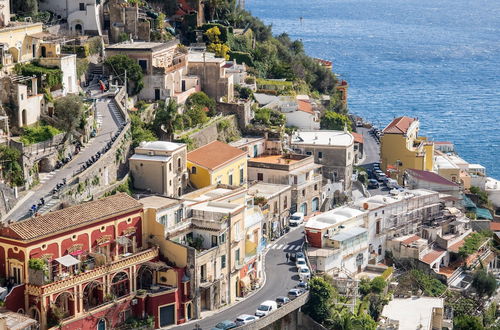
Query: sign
{"points": [[359, 259]]}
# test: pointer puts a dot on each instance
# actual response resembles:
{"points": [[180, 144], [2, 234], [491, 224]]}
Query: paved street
{"points": [[280, 277], [110, 119], [371, 147]]}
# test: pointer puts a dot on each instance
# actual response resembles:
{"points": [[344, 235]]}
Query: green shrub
{"points": [[52, 77], [378, 284], [387, 273], [38, 134], [471, 244], [37, 264]]}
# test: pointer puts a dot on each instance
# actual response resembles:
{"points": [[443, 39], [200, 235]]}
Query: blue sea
{"points": [[438, 60]]}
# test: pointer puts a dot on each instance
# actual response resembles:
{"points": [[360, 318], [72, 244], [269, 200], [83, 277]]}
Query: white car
{"points": [[266, 307], [294, 293], [245, 319], [296, 219], [304, 273], [300, 262]]}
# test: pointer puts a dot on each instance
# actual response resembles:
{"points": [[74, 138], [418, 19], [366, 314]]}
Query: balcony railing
{"points": [[93, 274]]}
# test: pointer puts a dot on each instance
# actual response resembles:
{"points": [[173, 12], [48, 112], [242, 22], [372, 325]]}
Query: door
{"points": [[255, 151], [157, 94], [303, 208], [167, 315], [315, 204]]}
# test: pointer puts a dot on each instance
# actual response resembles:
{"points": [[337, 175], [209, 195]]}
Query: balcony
{"points": [[93, 274]]}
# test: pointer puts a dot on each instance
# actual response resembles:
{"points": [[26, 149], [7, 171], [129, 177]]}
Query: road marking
{"points": [[279, 247], [297, 247]]}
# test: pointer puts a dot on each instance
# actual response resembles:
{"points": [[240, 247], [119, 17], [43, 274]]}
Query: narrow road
{"points": [[280, 277], [371, 147], [110, 120]]}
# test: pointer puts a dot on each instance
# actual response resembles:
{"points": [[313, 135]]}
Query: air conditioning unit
{"points": [[134, 302]]}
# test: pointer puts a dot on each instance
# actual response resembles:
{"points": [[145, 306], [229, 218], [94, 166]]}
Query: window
{"points": [[163, 219], [82, 6], [223, 262], [170, 183], [214, 240], [295, 179], [237, 256], [303, 192], [144, 65], [178, 163], [377, 230], [178, 215], [230, 179], [193, 170], [260, 176], [242, 175], [222, 238], [320, 154], [275, 206], [170, 167], [285, 202], [316, 187], [308, 153]]}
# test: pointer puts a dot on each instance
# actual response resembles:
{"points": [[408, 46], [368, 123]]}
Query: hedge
{"points": [[53, 76], [81, 51], [225, 31], [241, 57]]}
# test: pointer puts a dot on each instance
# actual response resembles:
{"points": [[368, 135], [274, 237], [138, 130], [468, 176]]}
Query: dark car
{"points": [[295, 256], [303, 285], [282, 301], [224, 325], [373, 184]]}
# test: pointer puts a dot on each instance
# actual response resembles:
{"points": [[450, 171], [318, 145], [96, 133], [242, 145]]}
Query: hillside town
{"points": [[175, 165]]}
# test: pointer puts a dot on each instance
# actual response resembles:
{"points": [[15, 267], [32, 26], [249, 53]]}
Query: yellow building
{"points": [[217, 163], [402, 148]]}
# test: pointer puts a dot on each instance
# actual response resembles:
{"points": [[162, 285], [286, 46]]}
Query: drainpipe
{"points": [[229, 259]]}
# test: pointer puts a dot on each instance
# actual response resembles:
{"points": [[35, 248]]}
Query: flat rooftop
{"points": [[275, 159], [158, 202], [141, 45], [267, 190], [412, 313], [324, 138], [204, 57], [245, 140]]}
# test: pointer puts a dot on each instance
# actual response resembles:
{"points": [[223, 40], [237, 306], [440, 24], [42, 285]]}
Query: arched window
{"points": [[92, 295], [120, 285], [144, 277], [101, 325], [380, 250]]}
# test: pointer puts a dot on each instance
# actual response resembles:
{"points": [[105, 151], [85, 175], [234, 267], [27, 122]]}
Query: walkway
{"points": [[110, 119]]}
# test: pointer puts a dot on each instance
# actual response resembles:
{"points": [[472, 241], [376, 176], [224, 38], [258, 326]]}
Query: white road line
{"points": [[271, 246], [279, 247], [297, 247]]}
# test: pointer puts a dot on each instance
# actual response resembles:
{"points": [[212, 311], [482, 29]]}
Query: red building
{"points": [[90, 266]]}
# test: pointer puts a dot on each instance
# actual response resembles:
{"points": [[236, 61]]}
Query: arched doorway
{"points": [[237, 287], [101, 325], [92, 295], [315, 204], [144, 278], [303, 208], [15, 54], [120, 285], [189, 311], [63, 306], [78, 29]]}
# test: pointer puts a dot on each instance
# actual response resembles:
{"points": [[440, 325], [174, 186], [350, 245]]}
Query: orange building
{"points": [[90, 266]]}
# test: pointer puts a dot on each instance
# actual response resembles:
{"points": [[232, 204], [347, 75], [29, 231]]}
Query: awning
{"points": [[77, 252], [68, 261], [245, 282]]}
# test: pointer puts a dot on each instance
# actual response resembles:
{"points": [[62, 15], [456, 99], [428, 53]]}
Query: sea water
{"points": [[438, 60]]}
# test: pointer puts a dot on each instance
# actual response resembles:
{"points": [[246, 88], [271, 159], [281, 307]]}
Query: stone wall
{"points": [[243, 111], [223, 128]]}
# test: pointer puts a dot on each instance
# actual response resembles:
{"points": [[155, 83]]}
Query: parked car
{"points": [[303, 285], [296, 219], [224, 325], [266, 307], [373, 184], [304, 273], [295, 256], [300, 262], [294, 293], [381, 177], [282, 301], [391, 183], [244, 319]]}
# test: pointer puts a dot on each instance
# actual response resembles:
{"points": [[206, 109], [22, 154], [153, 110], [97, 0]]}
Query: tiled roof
{"points": [[410, 240], [214, 155], [358, 138], [429, 177], [495, 226], [305, 106], [432, 256], [455, 247], [71, 217], [399, 125]]}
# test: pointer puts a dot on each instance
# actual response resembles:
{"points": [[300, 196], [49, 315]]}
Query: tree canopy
{"points": [[202, 100], [12, 170], [484, 283], [117, 64], [69, 110], [335, 121]]}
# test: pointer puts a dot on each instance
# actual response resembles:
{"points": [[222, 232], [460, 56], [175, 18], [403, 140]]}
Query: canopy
{"points": [[68, 260]]}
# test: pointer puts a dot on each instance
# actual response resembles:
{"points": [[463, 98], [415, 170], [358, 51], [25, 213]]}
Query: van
{"points": [[266, 307], [296, 219], [391, 183]]}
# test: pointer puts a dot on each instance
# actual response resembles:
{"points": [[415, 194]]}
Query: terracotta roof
{"points": [[429, 177], [358, 138], [495, 226], [399, 125], [455, 247], [432, 256], [71, 217], [214, 155], [305, 106], [410, 240]]}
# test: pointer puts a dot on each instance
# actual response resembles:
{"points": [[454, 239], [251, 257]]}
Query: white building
{"points": [[84, 17]]}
